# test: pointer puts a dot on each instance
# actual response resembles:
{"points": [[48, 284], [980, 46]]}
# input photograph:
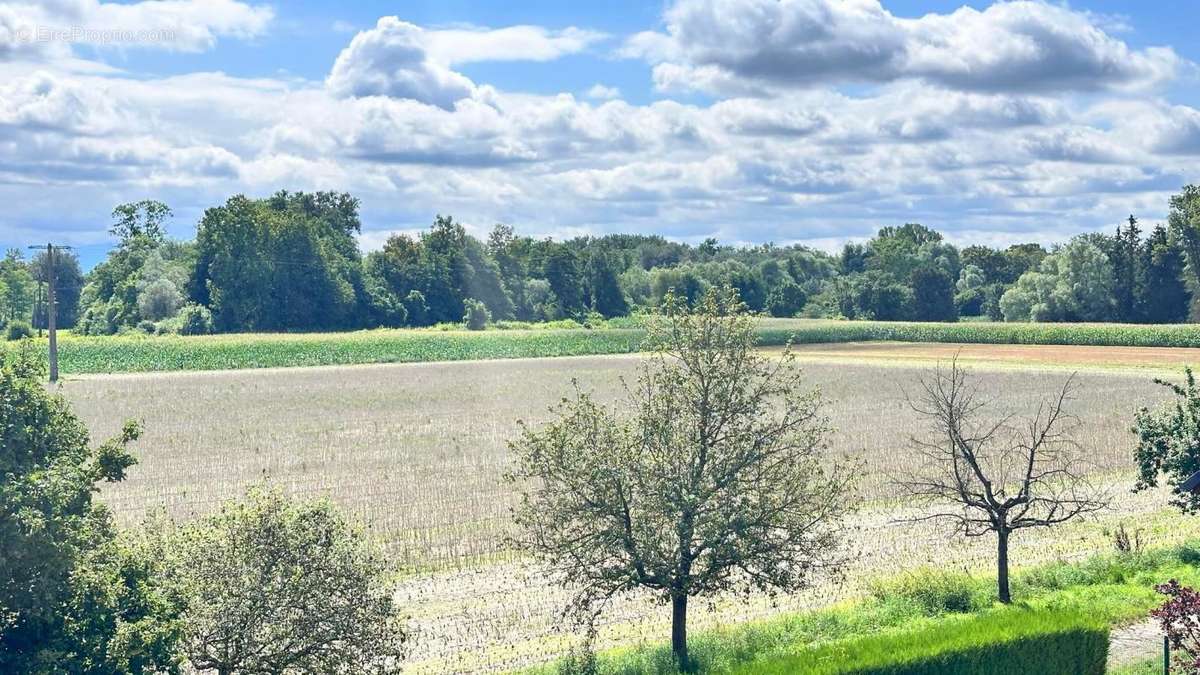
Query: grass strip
{"points": [[1112, 589], [996, 642]]}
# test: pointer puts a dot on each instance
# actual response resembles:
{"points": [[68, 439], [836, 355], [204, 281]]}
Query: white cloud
{"points": [[402, 60], [50, 29], [395, 124], [740, 46], [513, 43], [392, 59], [601, 92]]}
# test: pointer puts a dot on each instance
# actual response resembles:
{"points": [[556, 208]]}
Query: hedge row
{"points": [[1002, 642]]}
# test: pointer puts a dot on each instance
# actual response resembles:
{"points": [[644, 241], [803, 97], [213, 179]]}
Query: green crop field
{"points": [[134, 353]]}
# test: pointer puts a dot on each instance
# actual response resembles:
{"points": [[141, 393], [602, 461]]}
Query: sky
{"points": [[786, 121]]}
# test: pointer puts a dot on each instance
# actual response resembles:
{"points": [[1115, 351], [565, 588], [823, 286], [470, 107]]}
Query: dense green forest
{"points": [[291, 262]]}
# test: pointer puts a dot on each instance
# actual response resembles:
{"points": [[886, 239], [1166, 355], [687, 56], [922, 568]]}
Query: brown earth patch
{"points": [[1040, 356]]}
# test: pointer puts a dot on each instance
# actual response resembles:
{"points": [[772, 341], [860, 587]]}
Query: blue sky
{"points": [[811, 121]]}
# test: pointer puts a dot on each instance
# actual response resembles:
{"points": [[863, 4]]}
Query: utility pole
{"points": [[51, 306]]}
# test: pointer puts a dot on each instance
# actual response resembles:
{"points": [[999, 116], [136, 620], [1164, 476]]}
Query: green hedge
{"points": [[996, 643]]}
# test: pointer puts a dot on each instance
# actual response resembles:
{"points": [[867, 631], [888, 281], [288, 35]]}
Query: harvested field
{"points": [[418, 450]]}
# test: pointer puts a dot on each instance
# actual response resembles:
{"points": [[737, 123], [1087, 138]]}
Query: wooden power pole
{"points": [[51, 306]]}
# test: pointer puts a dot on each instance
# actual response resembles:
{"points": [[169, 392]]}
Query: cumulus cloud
{"points": [[392, 59], [739, 46], [402, 60], [398, 126]]}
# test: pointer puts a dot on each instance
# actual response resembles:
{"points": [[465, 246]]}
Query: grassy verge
{"points": [[134, 353], [1112, 589], [999, 642]]}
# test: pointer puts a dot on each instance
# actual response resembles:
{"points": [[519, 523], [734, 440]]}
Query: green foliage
{"points": [[1163, 296], [786, 300], [603, 287], [68, 285], [1169, 443], [18, 330], [142, 220], [195, 320], [1075, 283], [1088, 588], [72, 598], [271, 585], [288, 262], [997, 643], [760, 507], [562, 271], [477, 316], [935, 591], [140, 280], [933, 295], [17, 287], [291, 263]]}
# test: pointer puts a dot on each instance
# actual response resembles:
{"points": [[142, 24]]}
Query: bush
{"points": [[271, 585], [147, 326], [18, 330], [1178, 617], [996, 643], [195, 320], [477, 316]]}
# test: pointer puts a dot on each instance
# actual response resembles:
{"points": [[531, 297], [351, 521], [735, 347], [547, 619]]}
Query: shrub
{"points": [[477, 316], [273, 585], [996, 643], [147, 326], [195, 320], [594, 320], [1180, 618], [18, 330]]}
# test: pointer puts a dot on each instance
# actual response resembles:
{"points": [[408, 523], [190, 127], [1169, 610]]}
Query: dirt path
{"points": [[1134, 643], [1038, 356]]}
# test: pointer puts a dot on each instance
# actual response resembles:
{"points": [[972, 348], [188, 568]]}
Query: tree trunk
{"points": [[679, 630], [1002, 565]]}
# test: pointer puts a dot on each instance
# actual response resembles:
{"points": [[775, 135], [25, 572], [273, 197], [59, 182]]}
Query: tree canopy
{"points": [[292, 262], [709, 477]]}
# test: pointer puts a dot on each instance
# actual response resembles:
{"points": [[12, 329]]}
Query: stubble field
{"points": [[417, 451]]}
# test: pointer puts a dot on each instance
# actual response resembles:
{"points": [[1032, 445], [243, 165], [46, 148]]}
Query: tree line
{"points": [[292, 262]]}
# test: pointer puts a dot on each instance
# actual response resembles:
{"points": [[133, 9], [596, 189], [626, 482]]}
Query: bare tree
{"points": [[999, 476], [713, 476]]}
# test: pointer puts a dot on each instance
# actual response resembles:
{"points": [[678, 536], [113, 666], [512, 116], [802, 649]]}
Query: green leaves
{"points": [[707, 478], [269, 584], [68, 602], [1169, 443]]}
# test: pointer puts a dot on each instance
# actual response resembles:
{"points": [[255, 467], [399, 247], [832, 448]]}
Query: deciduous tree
{"points": [[72, 598], [712, 475], [1169, 443], [989, 476]]}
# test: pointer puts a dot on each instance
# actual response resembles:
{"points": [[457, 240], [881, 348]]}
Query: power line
{"points": [[51, 304]]}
